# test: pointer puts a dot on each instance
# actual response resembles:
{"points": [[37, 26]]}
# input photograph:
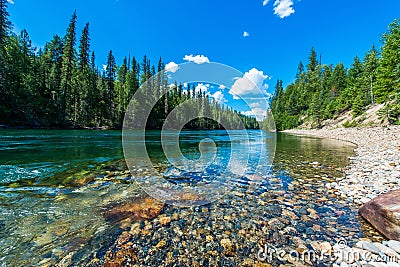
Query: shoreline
{"points": [[375, 167]]}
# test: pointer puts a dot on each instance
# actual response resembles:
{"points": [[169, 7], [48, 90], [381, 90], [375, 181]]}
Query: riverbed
{"points": [[57, 187]]}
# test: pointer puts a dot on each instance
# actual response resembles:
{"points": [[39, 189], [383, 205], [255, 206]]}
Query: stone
{"points": [[140, 209], [124, 255], [369, 247], [161, 244], [386, 250], [165, 220], [383, 213], [275, 224], [393, 244], [228, 246]]}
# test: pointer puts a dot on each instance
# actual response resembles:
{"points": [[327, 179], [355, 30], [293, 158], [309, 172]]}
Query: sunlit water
{"points": [[56, 185]]}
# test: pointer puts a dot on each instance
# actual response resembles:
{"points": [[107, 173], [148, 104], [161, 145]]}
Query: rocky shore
{"points": [[374, 170], [375, 167]]}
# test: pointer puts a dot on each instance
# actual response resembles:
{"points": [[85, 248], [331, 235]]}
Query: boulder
{"points": [[141, 209], [383, 212]]}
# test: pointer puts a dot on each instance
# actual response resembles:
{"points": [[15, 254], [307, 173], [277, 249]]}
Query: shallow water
{"points": [[56, 186]]}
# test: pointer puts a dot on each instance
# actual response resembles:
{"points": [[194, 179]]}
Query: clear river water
{"points": [[57, 185]]}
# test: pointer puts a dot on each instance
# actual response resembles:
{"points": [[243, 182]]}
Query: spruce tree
{"points": [[110, 88], [5, 26], [68, 66], [388, 71], [82, 92]]}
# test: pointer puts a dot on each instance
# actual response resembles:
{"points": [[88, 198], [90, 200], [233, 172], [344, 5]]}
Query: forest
{"points": [[322, 91], [61, 86]]}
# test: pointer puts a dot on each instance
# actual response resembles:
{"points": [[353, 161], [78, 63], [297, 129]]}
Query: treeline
{"points": [[323, 91], [60, 85]]}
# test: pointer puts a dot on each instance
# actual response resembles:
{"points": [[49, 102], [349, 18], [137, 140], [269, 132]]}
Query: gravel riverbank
{"points": [[375, 167], [373, 170]]}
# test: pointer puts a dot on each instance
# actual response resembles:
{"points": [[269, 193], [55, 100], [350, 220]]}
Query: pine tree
{"points": [[81, 93], [312, 61], [300, 71], [110, 88], [388, 71], [68, 67], [5, 26]]}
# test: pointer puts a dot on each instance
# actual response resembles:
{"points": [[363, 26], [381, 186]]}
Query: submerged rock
{"points": [[383, 213], [124, 254], [140, 209]]}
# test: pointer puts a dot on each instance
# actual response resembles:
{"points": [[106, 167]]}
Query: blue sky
{"points": [[279, 33]]}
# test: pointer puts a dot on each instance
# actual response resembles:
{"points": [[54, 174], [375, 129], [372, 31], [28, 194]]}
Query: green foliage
{"points": [[323, 91], [388, 72], [349, 124], [61, 86]]}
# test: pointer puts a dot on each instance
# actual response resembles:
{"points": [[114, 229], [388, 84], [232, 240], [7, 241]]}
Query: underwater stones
{"points": [[273, 210], [228, 247], [122, 256], [139, 209], [161, 244], [165, 220], [275, 224], [383, 213]]}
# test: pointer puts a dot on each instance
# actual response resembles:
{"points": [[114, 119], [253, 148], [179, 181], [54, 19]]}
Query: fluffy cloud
{"points": [[222, 87], [10, 2], [265, 2], [258, 113], [250, 85], [283, 8], [199, 59], [171, 67], [219, 97], [201, 88], [246, 34], [104, 67]]}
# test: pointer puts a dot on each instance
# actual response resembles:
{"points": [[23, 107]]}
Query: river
{"points": [[57, 185]]}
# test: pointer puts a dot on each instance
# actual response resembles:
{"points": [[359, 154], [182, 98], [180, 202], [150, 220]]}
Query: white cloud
{"points": [[201, 88], [171, 67], [259, 113], [222, 87], [265, 2], [10, 2], [283, 8], [185, 85], [199, 59], [219, 97], [250, 85], [104, 67], [246, 34]]}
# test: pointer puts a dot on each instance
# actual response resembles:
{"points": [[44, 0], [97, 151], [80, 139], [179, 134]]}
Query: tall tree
{"points": [[110, 87], [5, 25], [81, 92], [388, 71], [68, 66], [312, 60]]}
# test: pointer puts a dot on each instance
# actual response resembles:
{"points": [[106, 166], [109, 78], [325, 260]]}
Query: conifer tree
{"points": [[68, 66]]}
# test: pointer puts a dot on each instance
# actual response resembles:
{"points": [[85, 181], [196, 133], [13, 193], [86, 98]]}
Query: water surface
{"points": [[55, 187]]}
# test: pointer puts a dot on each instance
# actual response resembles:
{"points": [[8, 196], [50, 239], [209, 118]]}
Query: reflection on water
{"points": [[57, 186]]}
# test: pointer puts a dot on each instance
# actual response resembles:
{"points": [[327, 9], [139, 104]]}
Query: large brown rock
{"points": [[145, 208], [383, 212]]}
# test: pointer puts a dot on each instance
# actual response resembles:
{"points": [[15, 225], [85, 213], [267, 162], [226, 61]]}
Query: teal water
{"points": [[56, 185]]}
